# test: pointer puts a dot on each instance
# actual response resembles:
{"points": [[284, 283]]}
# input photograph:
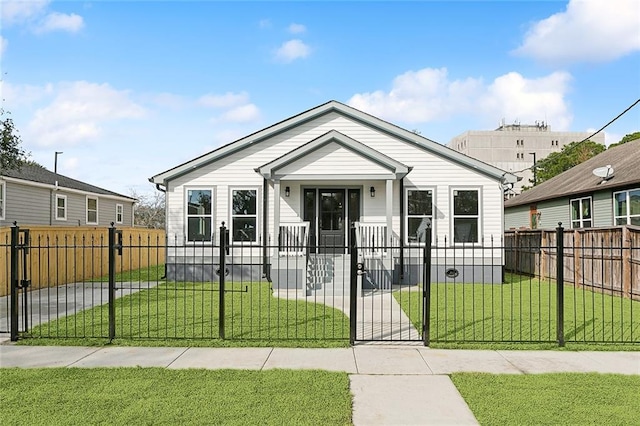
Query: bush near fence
{"points": [[62, 255], [600, 259]]}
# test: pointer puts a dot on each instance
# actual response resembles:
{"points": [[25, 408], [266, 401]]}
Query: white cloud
{"points": [[292, 50], [429, 95], [23, 94], [59, 21], [227, 100], [515, 97], [297, 28], [78, 112], [588, 31], [13, 12], [3, 45], [35, 16], [241, 114]]}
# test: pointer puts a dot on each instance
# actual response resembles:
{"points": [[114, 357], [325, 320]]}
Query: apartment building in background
{"points": [[515, 147]]}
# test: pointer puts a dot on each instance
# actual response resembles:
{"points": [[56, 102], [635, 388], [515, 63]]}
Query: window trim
{"points": [[407, 216], [89, 197], [581, 220], [257, 214], [453, 216], [627, 214], [66, 206], [186, 214], [3, 199], [121, 213]]}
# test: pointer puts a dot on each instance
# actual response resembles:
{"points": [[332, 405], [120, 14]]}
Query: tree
{"points": [[570, 155], [626, 138], [149, 210], [11, 153]]}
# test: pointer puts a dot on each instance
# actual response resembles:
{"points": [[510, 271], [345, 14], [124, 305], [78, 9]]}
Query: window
{"points": [[626, 207], [199, 214], [2, 200], [244, 214], [581, 216], [92, 211], [419, 214], [61, 207], [466, 215], [119, 213]]}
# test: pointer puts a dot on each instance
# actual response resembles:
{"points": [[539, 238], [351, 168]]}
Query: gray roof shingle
{"points": [[35, 173], [580, 179]]}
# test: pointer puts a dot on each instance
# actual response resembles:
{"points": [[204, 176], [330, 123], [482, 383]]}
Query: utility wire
{"points": [[590, 136]]}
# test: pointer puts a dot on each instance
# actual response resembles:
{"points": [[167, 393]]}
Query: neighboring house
{"points": [[320, 172], [33, 195], [515, 147], [580, 199]]}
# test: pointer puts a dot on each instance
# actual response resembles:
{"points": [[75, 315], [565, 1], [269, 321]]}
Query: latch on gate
{"points": [[360, 268]]}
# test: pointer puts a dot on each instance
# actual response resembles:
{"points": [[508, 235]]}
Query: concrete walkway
{"points": [[388, 382]]}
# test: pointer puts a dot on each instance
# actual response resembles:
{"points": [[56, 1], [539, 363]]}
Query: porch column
{"points": [[276, 213], [389, 210]]}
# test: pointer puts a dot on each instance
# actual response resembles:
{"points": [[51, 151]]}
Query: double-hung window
{"points": [[581, 214], [244, 215], [92, 211], [199, 214], [466, 216], [626, 207], [419, 207], [119, 213], [61, 207]]}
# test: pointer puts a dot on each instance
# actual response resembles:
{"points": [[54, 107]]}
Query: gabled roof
{"points": [[580, 179], [270, 169], [38, 174], [345, 110]]}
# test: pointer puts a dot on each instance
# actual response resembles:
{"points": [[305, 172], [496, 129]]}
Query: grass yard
{"points": [[153, 273], [187, 314], [128, 396], [550, 399], [523, 310]]}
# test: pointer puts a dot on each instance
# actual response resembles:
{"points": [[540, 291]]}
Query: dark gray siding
{"points": [[26, 204], [31, 205]]}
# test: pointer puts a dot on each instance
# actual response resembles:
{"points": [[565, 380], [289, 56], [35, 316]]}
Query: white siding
{"points": [[333, 159], [428, 170]]}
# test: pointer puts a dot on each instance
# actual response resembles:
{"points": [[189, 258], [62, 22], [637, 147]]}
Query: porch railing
{"points": [[371, 239], [293, 239]]}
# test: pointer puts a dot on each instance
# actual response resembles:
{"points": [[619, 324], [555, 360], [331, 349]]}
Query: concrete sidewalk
{"points": [[388, 382]]}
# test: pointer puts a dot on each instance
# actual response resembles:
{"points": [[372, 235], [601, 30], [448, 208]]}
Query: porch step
{"points": [[328, 274]]}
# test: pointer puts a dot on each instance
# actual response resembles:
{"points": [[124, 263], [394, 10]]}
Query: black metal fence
{"points": [[509, 290]]}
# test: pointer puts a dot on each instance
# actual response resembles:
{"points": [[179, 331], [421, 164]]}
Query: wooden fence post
{"points": [[626, 261]]}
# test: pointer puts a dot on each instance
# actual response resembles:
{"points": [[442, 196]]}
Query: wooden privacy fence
{"points": [[62, 255], [601, 259]]}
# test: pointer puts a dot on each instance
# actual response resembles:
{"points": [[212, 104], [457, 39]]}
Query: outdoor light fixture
{"points": [[287, 191], [372, 191]]}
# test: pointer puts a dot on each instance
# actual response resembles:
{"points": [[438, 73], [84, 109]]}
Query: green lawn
{"points": [[131, 396], [551, 399], [523, 310], [187, 314], [152, 273]]}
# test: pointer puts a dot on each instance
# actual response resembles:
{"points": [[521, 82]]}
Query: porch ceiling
{"points": [[313, 161]]}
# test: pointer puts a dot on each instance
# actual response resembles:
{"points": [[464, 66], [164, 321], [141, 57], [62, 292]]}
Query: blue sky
{"points": [[127, 90]]}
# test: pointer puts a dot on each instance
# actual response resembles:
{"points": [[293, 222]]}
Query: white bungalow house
{"points": [[298, 186]]}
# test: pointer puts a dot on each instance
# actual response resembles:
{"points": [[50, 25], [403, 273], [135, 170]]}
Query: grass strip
{"points": [[522, 313], [126, 396], [550, 399]]}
